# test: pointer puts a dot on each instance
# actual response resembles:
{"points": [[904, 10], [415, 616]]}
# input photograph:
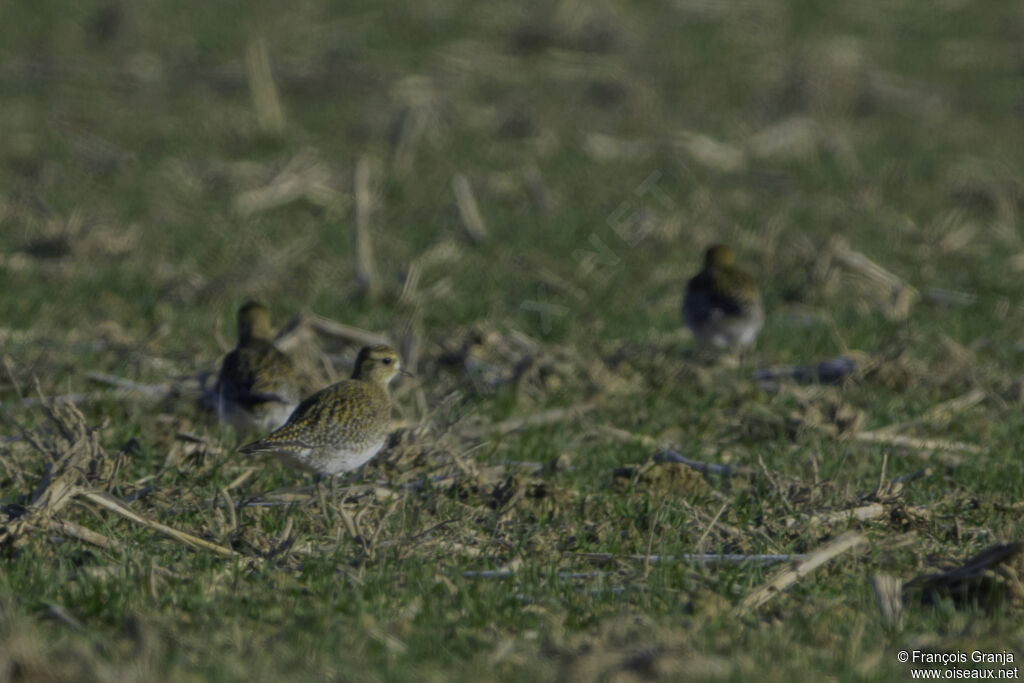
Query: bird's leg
{"points": [[320, 494]]}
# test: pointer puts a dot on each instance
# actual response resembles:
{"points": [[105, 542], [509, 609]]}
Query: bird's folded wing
{"points": [[274, 446]]}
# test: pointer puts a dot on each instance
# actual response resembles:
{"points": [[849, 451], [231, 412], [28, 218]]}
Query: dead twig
{"points": [[913, 476], [709, 468], [650, 542], [297, 332], [831, 371], [366, 274], [888, 592], [920, 444], [861, 513], [993, 576], [469, 212], [331, 328], [623, 435], [108, 502], [265, 100], [895, 296], [303, 177], [700, 541], [940, 414], [126, 390], [508, 573], [149, 390], [540, 419], [804, 567], [698, 558], [83, 534]]}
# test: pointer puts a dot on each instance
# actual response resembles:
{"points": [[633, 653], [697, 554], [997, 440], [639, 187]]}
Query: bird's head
{"points": [[378, 364], [719, 256], [253, 322]]}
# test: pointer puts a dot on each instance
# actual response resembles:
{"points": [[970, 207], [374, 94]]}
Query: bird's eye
{"points": [[387, 361]]}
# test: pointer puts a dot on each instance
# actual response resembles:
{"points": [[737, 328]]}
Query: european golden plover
{"points": [[341, 427], [722, 305], [256, 387]]}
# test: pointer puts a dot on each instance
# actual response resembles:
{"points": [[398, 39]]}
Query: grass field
{"points": [[515, 195]]}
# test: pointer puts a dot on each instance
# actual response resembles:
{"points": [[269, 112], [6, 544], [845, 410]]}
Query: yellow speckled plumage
{"points": [[722, 304], [256, 387], [341, 427]]}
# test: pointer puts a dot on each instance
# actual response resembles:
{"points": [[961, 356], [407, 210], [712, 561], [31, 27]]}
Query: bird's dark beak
{"points": [[406, 373]]}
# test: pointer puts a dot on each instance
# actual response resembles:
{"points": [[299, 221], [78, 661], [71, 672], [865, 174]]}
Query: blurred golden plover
{"points": [[722, 305], [256, 387], [341, 427]]}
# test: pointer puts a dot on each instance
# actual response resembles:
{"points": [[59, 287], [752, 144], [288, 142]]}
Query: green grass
{"points": [[129, 133]]}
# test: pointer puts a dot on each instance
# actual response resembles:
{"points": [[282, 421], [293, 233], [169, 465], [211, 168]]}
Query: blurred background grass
{"points": [[130, 133], [606, 145]]}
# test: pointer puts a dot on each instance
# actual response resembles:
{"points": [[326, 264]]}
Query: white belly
{"points": [[326, 461], [346, 461]]}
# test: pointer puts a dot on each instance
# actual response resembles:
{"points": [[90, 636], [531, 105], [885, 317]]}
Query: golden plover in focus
{"points": [[256, 388], [341, 427], [722, 305]]}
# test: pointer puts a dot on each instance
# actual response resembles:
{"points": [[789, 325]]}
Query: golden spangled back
{"points": [[350, 414]]}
